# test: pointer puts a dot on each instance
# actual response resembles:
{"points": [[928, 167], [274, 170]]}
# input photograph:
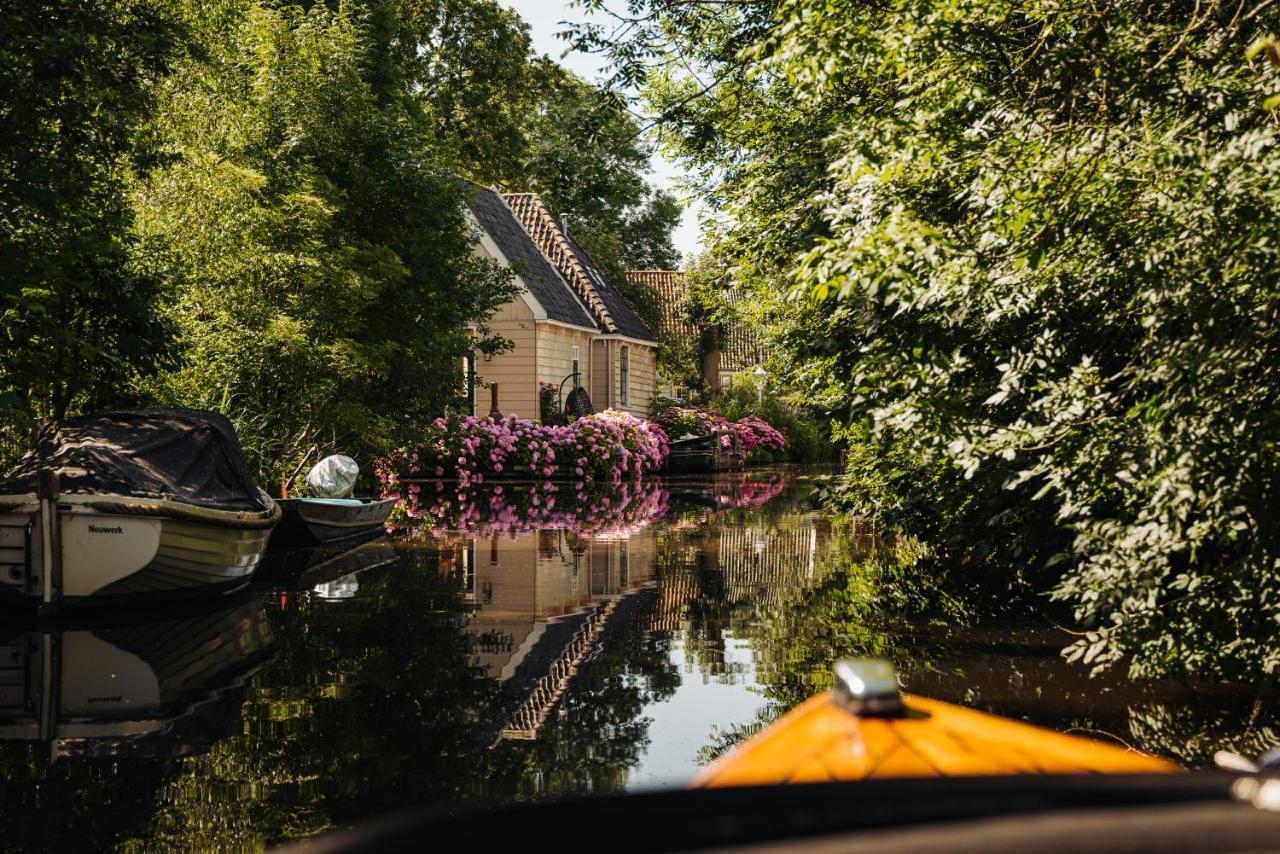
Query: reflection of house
{"points": [[624, 356], [546, 322], [750, 566], [725, 349], [542, 603]]}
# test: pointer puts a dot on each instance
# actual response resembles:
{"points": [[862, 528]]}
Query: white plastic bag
{"points": [[333, 477]]}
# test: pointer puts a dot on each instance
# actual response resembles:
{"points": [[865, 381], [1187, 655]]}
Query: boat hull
{"points": [[820, 741], [306, 523], [113, 557]]}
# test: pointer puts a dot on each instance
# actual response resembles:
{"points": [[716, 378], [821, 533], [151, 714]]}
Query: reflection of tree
{"points": [[369, 706], [954, 640], [1192, 734], [70, 806]]}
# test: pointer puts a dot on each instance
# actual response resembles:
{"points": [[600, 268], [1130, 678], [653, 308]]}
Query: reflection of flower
{"points": [[587, 509], [476, 511], [754, 491], [607, 447]]}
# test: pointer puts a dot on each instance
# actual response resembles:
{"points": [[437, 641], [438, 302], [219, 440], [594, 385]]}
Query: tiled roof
{"points": [[611, 311], [742, 347], [668, 285], [546, 285]]}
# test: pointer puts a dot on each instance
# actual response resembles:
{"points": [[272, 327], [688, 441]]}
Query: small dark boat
{"points": [[719, 451], [312, 521]]}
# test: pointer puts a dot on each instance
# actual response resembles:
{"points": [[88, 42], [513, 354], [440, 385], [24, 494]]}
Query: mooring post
{"points": [[48, 488], [493, 406]]}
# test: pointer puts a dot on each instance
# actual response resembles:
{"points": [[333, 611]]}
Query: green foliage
{"points": [[77, 320], [588, 159], [526, 123], [250, 206], [323, 267], [809, 434], [1031, 248]]}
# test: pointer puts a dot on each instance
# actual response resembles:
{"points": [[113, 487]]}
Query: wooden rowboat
{"points": [[311, 521], [864, 729], [717, 452]]}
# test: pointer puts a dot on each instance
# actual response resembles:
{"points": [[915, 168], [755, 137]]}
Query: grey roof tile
{"points": [[546, 285]]}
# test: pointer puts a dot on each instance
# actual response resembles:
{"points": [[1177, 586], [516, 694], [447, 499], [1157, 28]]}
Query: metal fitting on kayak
{"points": [[868, 687]]}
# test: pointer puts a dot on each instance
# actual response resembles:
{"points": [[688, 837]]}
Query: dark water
{"points": [[509, 646]]}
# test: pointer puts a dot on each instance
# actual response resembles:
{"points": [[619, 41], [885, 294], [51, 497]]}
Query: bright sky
{"points": [[545, 19]]}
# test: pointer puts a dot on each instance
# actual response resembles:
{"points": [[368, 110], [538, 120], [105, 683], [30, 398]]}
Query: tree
{"points": [[77, 320], [324, 269], [1043, 271]]}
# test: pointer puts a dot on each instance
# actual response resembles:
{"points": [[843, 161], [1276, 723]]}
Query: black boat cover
{"points": [[185, 455]]}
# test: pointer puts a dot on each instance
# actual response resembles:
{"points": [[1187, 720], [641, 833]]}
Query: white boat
{"points": [[128, 506]]}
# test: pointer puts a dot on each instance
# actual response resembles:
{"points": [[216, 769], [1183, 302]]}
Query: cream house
{"points": [[551, 330], [624, 353]]}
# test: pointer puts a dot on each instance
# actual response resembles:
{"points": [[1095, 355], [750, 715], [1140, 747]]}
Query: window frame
{"points": [[624, 375]]}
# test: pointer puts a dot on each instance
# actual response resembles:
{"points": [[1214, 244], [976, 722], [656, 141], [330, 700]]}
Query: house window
{"points": [[576, 379], [624, 376]]}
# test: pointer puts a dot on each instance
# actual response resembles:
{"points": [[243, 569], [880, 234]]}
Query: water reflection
{"points": [[300, 569], [521, 641], [131, 689]]}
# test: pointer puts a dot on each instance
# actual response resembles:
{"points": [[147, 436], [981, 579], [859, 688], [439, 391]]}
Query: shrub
{"points": [[606, 447], [761, 441]]}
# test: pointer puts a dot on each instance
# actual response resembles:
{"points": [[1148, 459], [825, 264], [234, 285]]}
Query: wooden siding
{"points": [[599, 388], [644, 378], [555, 356], [515, 370]]}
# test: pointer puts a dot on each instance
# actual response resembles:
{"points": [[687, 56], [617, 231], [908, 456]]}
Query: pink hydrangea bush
{"points": [[754, 432], [608, 447], [758, 437]]}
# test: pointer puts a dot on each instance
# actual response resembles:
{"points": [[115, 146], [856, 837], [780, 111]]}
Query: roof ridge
{"points": [[502, 197], [544, 227]]}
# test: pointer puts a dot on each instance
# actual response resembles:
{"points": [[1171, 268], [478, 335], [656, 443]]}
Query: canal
{"points": [[517, 642]]}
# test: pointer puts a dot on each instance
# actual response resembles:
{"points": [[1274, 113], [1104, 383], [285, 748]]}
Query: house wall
{"points": [[600, 389], [555, 356], [515, 370], [644, 377], [606, 376]]}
